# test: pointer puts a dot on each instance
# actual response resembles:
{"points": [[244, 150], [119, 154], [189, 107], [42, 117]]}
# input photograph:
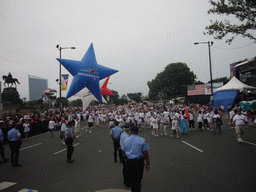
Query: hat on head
{"points": [[126, 127], [134, 128]]}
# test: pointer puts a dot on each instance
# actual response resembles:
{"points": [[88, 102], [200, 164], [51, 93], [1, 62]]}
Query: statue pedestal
{"points": [[11, 98]]}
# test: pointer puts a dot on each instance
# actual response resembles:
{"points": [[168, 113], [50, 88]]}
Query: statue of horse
{"points": [[11, 81]]}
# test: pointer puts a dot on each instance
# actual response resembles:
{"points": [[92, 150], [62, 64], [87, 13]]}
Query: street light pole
{"points": [[60, 48], [210, 63]]}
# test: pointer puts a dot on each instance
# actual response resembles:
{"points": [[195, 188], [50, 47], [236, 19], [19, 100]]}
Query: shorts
{"points": [[51, 130], [239, 129], [90, 124]]}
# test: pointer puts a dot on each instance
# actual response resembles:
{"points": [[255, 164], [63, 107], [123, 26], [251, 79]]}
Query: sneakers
{"points": [[231, 127], [178, 137], [90, 132], [240, 141], [171, 135]]}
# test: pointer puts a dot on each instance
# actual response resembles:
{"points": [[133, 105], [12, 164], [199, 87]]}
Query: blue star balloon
{"points": [[86, 73]]}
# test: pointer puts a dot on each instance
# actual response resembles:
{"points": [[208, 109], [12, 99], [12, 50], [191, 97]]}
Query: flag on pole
{"points": [[64, 82], [194, 90]]}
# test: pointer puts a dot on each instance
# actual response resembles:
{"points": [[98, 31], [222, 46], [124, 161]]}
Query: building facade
{"points": [[36, 87]]}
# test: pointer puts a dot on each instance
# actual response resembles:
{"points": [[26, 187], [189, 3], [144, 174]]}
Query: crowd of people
{"points": [[179, 118], [125, 123]]}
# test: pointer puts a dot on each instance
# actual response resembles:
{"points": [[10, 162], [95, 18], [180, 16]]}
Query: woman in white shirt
{"points": [[51, 126], [26, 126], [155, 126], [200, 120], [209, 120]]}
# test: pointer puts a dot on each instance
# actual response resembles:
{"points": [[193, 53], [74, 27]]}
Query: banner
{"points": [[64, 82], [214, 86], [46, 98]]}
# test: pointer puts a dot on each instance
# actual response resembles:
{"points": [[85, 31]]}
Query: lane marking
{"points": [[6, 184], [30, 146], [64, 149], [192, 146], [26, 190], [249, 143]]}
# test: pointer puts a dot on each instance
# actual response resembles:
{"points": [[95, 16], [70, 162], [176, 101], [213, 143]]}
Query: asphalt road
{"points": [[197, 162]]}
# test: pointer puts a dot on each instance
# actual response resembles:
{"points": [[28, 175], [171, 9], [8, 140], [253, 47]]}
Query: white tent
{"points": [[234, 84]]}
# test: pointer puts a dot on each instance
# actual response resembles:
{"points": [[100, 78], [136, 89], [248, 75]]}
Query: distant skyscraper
{"points": [[36, 87]]}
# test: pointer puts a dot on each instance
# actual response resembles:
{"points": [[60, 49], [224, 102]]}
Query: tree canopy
{"points": [[225, 80], [168, 83], [243, 10], [135, 96]]}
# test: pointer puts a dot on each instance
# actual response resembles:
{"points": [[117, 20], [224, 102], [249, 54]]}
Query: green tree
{"points": [[77, 103], [114, 99], [198, 82], [243, 10], [135, 96], [64, 102], [123, 100], [225, 80], [169, 83]]}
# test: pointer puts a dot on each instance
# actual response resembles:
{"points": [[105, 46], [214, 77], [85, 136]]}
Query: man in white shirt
{"points": [[239, 120]]}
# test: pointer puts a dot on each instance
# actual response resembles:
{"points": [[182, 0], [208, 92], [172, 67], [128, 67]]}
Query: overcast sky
{"points": [[137, 37]]}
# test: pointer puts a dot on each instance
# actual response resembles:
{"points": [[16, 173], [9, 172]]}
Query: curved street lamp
{"points": [[60, 48], [209, 47]]}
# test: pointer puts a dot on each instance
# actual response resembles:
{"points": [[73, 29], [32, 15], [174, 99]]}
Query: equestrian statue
{"points": [[9, 80]]}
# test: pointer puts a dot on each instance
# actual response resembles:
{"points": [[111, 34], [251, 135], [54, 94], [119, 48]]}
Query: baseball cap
{"points": [[134, 128]]}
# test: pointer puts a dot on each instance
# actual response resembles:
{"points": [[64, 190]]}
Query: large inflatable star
{"points": [[104, 89], [86, 73]]}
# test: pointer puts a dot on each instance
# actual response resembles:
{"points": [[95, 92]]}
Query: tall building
{"points": [[36, 87]]}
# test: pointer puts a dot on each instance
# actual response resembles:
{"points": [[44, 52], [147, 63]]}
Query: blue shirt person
{"points": [[136, 150], [15, 141], [125, 135], [69, 138], [115, 134]]}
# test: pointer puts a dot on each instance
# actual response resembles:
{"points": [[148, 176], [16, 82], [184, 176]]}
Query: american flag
{"points": [[194, 90]]}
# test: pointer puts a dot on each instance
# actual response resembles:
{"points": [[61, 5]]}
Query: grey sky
{"points": [[138, 38]]}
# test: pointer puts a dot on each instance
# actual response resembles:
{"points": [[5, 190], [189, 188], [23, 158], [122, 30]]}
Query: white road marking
{"points": [[192, 146], [26, 190], [249, 143], [30, 146], [6, 184], [64, 149]]}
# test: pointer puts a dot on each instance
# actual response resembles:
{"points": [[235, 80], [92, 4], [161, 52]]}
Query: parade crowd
{"points": [[125, 123]]}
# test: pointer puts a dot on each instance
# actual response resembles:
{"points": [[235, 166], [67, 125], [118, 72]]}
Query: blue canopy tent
{"points": [[227, 94], [225, 98]]}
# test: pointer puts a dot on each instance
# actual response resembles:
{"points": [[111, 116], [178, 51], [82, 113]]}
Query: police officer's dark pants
{"points": [[15, 150], [70, 148], [126, 172], [135, 168], [2, 151], [117, 147]]}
